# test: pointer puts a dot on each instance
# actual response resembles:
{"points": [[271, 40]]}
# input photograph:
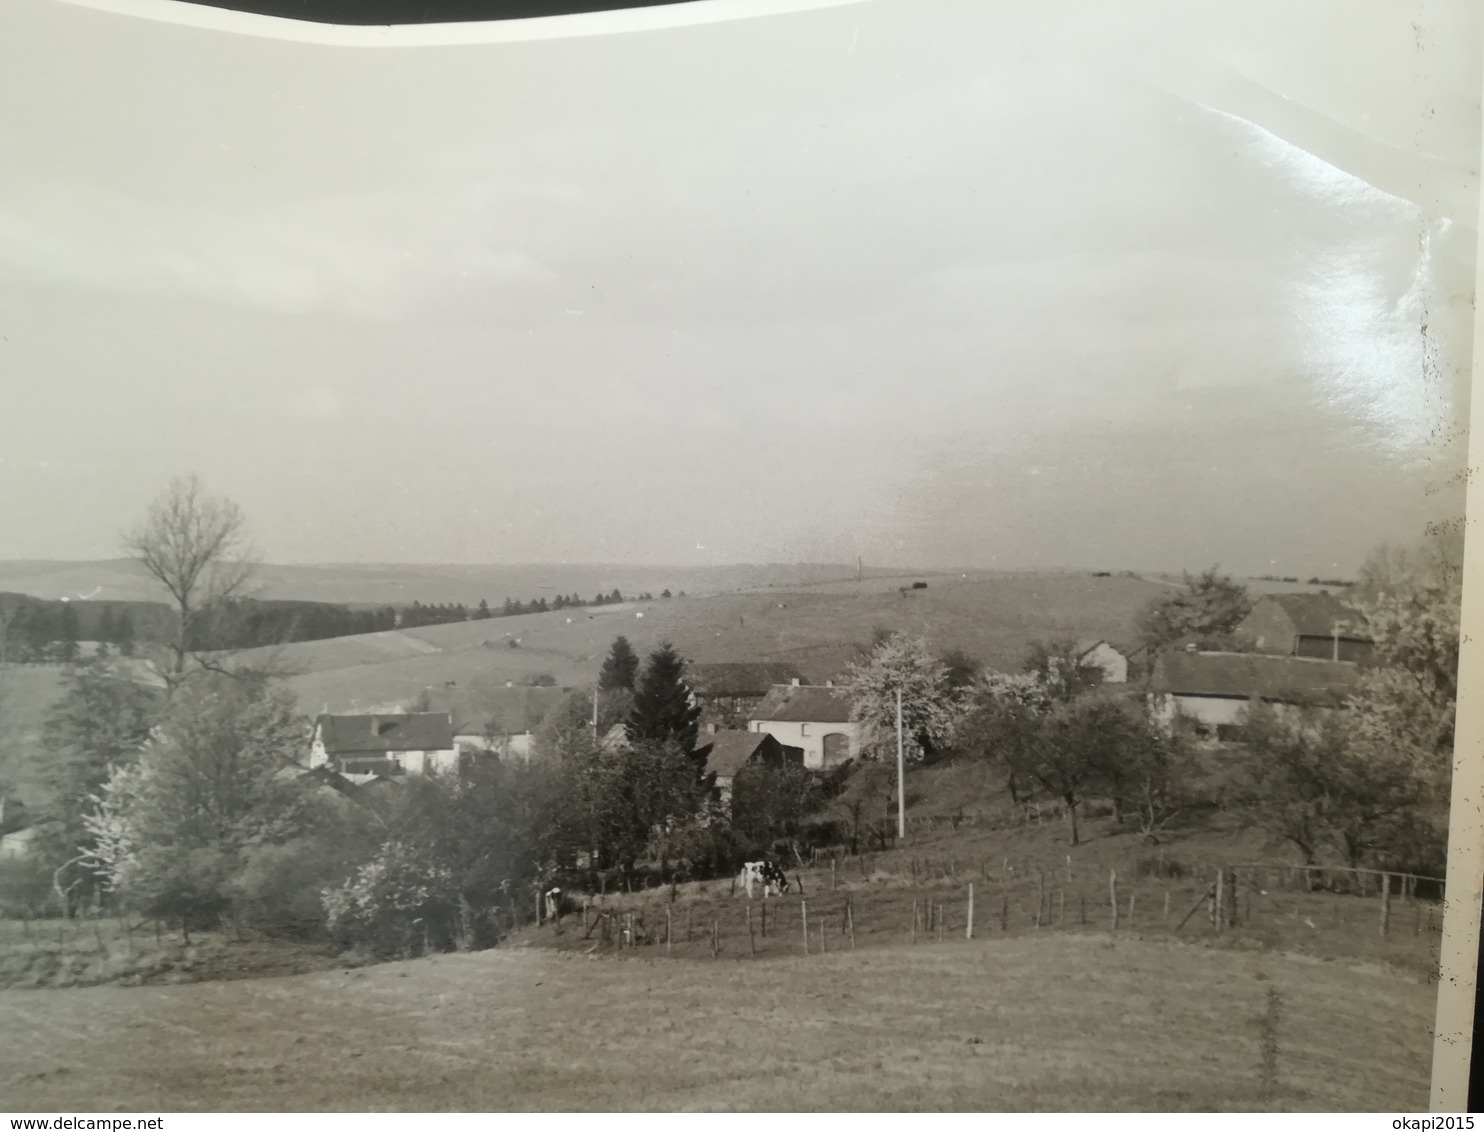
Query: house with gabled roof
{"points": [[363, 747], [1213, 690], [1306, 624], [727, 752], [813, 717]]}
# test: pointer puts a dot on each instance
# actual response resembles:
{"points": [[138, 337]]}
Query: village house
{"points": [[363, 747], [1214, 689], [727, 693], [812, 717], [1303, 624], [1102, 657], [498, 721], [727, 752]]}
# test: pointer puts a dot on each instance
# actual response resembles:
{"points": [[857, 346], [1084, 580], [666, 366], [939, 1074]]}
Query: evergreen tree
{"points": [[124, 636], [67, 633], [664, 709], [620, 667]]}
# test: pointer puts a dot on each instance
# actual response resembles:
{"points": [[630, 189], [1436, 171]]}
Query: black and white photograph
{"points": [[812, 557]]}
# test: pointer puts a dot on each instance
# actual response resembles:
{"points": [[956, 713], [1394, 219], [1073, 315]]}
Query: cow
{"points": [[765, 873]]}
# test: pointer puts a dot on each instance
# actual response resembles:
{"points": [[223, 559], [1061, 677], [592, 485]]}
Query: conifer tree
{"points": [[620, 667], [664, 708]]}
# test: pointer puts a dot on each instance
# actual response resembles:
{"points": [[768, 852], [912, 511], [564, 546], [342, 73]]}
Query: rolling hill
{"points": [[818, 628]]}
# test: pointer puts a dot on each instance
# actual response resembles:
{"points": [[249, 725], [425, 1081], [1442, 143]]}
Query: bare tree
{"points": [[194, 544]]}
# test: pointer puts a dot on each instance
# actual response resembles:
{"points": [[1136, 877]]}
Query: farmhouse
{"points": [[1102, 657], [500, 721], [727, 752], [727, 693], [1317, 625], [813, 718], [1214, 689], [363, 747]]}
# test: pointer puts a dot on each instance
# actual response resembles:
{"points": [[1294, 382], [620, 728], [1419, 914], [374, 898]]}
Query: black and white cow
{"points": [[765, 873]]}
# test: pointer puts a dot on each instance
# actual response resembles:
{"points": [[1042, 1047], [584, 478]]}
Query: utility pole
{"points": [[901, 776]]}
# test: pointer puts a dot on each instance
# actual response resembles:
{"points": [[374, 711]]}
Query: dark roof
{"points": [[730, 750], [1314, 615], [371, 734], [1283, 679], [504, 711], [740, 679], [804, 703]]}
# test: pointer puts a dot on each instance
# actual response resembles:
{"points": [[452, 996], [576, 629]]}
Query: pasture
{"points": [[1074, 1022], [817, 628]]}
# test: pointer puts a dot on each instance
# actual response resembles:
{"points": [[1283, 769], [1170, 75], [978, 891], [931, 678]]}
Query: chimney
{"points": [[794, 682], [711, 729]]}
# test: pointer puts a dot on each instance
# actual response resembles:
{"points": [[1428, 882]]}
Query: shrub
{"points": [[278, 889], [25, 888], [396, 900]]}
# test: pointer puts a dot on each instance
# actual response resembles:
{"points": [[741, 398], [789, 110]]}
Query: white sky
{"points": [[937, 283]]}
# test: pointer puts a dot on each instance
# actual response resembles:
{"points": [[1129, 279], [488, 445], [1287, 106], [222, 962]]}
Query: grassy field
{"points": [[817, 628], [1075, 1022]]}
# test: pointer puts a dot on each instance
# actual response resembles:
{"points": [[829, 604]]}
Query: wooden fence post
{"points": [[1385, 904], [715, 938], [1040, 896], [804, 917], [940, 923], [1082, 909], [969, 924], [1061, 908], [1218, 910], [1004, 913], [751, 938], [1113, 896], [833, 882], [1167, 905], [1234, 910], [1069, 868], [688, 912], [765, 916], [668, 928], [914, 921], [850, 921], [823, 946]]}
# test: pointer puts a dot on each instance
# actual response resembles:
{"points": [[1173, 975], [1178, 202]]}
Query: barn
{"points": [[1214, 689], [727, 752], [1304, 624]]}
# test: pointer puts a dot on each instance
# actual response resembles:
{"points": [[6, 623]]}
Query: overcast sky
{"points": [[932, 282]]}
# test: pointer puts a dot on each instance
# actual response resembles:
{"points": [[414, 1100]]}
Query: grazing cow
{"points": [[765, 873]]}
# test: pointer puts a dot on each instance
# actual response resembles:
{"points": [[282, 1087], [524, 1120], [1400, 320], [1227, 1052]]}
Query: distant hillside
{"points": [[392, 584], [818, 629]]}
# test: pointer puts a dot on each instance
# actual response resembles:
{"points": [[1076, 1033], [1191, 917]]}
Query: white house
{"points": [[363, 747], [813, 718]]}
